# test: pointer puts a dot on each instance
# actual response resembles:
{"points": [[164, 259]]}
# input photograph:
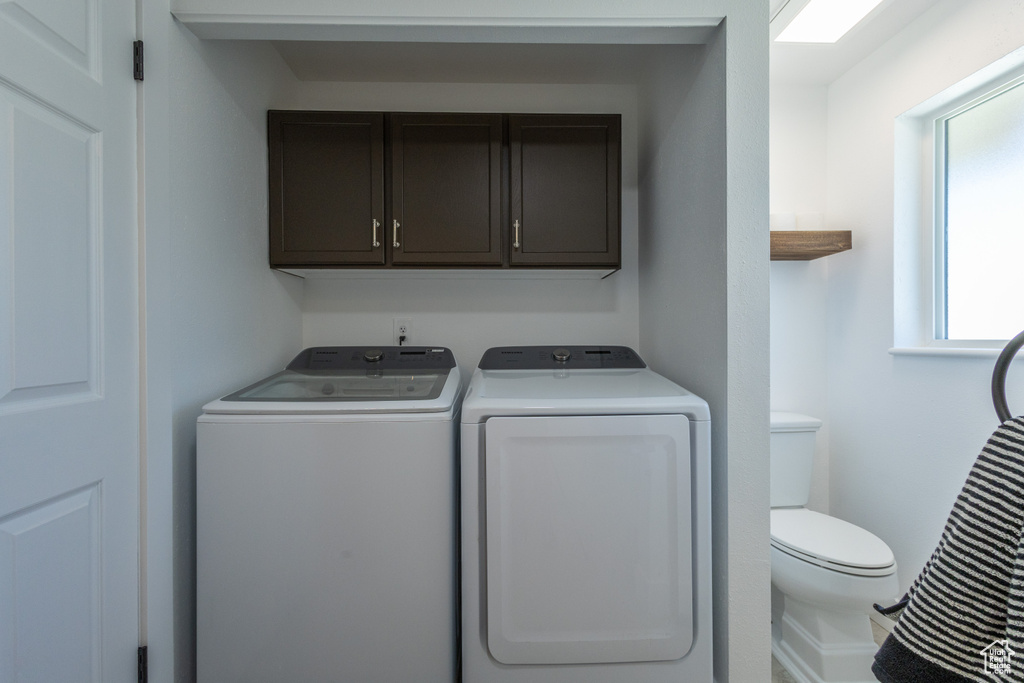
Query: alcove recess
{"points": [[806, 245]]}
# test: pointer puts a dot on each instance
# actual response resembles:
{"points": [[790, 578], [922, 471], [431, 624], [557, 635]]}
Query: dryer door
{"points": [[588, 539]]}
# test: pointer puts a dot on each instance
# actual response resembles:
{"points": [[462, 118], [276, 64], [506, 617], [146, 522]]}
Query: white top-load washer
{"points": [[326, 521], [586, 537]]}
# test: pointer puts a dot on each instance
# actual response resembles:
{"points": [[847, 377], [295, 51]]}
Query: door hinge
{"points": [[137, 59], [143, 665]]}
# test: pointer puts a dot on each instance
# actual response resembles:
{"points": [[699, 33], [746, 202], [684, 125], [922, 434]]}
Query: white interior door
{"points": [[588, 539], [69, 410]]}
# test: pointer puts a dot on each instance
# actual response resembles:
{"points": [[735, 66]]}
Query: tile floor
{"points": [[780, 675]]}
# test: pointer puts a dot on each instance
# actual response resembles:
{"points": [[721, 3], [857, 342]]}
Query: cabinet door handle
{"points": [[376, 224], [515, 244], [394, 233]]}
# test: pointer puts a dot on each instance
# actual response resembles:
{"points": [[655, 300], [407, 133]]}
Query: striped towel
{"points": [[963, 618]]}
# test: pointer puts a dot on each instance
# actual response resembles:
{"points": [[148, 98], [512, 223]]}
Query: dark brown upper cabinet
{"points": [[564, 201], [446, 191], [326, 188]]}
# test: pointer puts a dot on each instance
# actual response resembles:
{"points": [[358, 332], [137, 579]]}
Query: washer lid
{"points": [[828, 541], [345, 379], [372, 358], [344, 385]]}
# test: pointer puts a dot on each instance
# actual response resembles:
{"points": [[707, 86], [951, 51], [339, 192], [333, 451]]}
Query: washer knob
{"points": [[373, 355], [561, 355]]}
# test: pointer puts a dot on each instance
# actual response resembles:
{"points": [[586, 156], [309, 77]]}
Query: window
{"points": [[980, 226], [959, 215]]}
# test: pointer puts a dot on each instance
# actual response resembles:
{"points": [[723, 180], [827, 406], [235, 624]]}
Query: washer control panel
{"points": [[560, 358], [373, 358]]}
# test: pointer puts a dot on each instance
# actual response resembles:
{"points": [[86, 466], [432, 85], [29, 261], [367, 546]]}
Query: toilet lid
{"points": [[829, 541]]}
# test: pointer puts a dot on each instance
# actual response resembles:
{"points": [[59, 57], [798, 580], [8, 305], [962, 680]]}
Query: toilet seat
{"points": [[830, 543]]}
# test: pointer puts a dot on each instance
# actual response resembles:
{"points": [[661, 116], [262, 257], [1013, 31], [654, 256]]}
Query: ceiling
{"points": [[822, 64], [563, 63]]}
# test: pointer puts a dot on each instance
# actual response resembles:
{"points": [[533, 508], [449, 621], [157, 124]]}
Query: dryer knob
{"points": [[561, 355], [373, 355]]}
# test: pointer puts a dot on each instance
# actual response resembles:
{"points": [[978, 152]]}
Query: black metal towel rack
{"points": [[999, 377]]}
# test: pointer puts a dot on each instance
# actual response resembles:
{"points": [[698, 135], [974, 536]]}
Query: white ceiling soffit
{"points": [[649, 31], [820, 64], [375, 62]]}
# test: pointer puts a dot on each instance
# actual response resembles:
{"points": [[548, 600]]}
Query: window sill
{"points": [[948, 351]]}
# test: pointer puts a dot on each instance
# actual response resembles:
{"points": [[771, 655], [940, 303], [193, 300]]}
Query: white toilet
{"points": [[826, 573]]}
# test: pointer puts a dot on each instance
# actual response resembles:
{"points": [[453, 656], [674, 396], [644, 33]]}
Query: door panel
{"points": [[50, 601], [565, 189], [326, 188], [446, 193], [50, 300], [588, 539], [69, 389], [66, 29]]}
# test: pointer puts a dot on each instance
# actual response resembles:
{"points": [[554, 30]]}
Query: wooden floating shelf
{"points": [[806, 245]]}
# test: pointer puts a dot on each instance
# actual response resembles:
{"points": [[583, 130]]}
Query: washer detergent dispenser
{"points": [[326, 521], [586, 553]]}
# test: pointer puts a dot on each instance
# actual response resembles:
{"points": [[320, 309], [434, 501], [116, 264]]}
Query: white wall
{"points": [[474, 314], [903, 430], [704, 304], [799, 289], [683, 276], [216, 317]]}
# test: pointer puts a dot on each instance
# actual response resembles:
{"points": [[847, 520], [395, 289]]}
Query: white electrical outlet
{"points": [[403, 331]]}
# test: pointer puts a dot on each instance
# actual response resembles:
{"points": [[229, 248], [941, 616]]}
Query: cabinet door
{"points": [[565, 187], [446, 192], [326, 188]]}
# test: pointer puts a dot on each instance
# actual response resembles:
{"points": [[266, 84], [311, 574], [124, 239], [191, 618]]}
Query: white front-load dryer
{"points": [[327, 522], [586, 539]]}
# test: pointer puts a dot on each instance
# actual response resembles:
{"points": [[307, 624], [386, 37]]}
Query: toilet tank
{"points": [[792, 456]]}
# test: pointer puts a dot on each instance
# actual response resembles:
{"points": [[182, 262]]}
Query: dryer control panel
{"points": [[561, 358]]}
